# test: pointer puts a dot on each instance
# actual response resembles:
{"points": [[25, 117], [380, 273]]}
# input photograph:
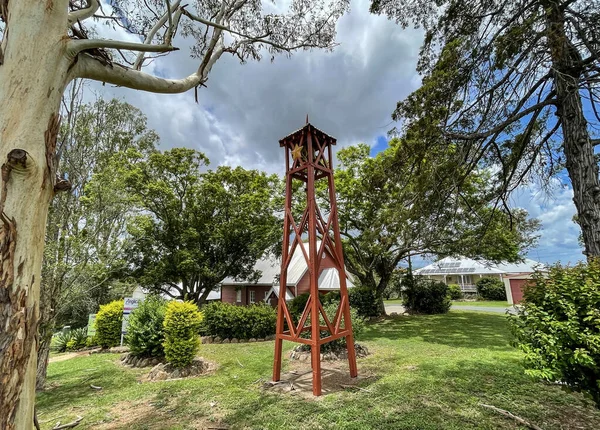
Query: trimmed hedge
{"points": [[426, 296], [181, 323], [491, 289], [455, 292], [145, 332], [241, 322], [108, 324], [559, 329]]}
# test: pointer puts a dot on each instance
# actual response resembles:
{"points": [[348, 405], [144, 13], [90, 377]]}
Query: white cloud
{"points": [[349, 93], [559, 234]]}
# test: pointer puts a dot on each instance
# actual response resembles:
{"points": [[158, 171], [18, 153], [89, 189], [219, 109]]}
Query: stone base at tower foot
{"points": [[302, 353], [335, 377]]}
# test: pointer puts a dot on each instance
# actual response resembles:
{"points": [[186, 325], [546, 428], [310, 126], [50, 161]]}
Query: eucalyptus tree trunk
{"points": [[33, 74], [578, 147]]}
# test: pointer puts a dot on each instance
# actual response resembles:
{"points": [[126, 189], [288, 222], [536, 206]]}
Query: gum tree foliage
{"points": [[197, 227], [384, 219], [85, 243], [515, 85], [45, 45]]}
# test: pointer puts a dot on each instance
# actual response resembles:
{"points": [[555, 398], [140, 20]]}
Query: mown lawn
{"points": [[428, 372], [483, 303], [458, 303]]}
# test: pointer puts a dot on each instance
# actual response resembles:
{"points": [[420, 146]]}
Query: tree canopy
{"points": [[392, 206], [195, 227], [513, 85]]}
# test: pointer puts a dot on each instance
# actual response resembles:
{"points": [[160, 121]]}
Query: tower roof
{"points": [[308, 128]]}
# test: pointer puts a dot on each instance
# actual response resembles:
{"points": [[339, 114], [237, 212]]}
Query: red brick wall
{"points": [[228, 294], [304, 284], [259, 291]]}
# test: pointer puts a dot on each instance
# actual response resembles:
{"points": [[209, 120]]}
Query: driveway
{"points": [[400, 309]]}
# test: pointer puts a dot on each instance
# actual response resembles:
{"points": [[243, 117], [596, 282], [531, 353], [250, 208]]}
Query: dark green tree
{"points": [[197, 228], [384, 219], [515, 85]]}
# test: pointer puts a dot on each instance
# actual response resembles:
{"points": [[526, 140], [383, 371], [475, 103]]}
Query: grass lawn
{"points": [[428, 372], [498, 304], [492, 304], [393, 302]]}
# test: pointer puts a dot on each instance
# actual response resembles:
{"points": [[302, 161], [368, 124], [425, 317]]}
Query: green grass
{"points": [[495, 304], [492, 304], [430, 372], [393, 302]]}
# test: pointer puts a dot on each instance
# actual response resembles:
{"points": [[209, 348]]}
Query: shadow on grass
{"points": [[456, 329], [71, 385]]}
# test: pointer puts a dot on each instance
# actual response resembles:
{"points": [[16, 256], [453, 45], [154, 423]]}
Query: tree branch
{"points": [[81, 14], [90, 68], [150, 36], [482, 135], [247, 38], [76, 46]]}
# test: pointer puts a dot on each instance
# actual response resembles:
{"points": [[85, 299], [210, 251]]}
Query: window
{"points": [[252, 296], [266, 295], [238, 296]]}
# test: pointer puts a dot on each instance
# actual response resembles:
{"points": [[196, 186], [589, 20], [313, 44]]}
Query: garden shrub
{"points": [[364, 300], [297, 304], [358, 327], [491, 289], [91, 341], [455, 292], [71, 340], [108, 324], [559, 328], [330, 297], [426, 296], [241, 322], [145, 332], [181, 323]]}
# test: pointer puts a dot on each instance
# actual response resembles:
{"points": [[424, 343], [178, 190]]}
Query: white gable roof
{"points": [[271, 268], [468, 266], [329, 279]]}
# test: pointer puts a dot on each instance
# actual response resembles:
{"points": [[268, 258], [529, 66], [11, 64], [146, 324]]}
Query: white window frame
{"points": [[266, 295], [252, 296], [238, 296]]}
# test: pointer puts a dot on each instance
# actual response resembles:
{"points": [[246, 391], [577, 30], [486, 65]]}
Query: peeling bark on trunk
{"points": [[45, 330], [579, 151], [33, 76]]}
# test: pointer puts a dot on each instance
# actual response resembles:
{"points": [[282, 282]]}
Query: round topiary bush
{"points": [[108, 324], [455, 292], [181, 324], [426, 296], [145, 332], [491, 289]]}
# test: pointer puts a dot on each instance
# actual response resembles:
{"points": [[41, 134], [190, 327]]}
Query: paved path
{"points": [[400, 309]]}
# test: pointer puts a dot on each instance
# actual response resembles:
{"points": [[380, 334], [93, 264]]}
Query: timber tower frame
{"points": [[308, 158]]}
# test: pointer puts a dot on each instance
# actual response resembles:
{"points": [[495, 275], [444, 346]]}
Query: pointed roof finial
{"points": [[307, 118]]}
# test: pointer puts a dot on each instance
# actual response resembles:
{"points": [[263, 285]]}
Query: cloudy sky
{"points": [[349, 93]]}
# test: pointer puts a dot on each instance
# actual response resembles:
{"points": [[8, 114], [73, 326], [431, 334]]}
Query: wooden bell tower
{"points": [[308, 158]]}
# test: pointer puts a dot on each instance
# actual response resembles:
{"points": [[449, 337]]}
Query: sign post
{"points": [[91, 327], [128, 307]]}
